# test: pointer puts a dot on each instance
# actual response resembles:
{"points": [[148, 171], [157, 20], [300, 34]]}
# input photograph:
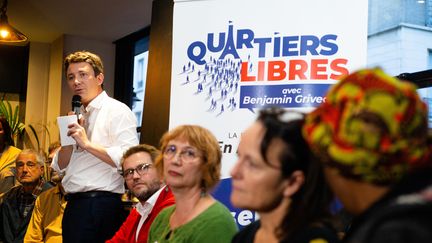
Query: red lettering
{"points": [[338, 65], [276, 70], [261, 69], [297, 68], [318, 69], [244, 73]]}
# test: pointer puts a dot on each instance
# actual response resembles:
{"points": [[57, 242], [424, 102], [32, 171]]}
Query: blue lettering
{"points": [[289, 42], [309, 43], [229, 47], [198, 59], [276, 46], [210, 42], [262, 45], [245, 38], [325, 42]]}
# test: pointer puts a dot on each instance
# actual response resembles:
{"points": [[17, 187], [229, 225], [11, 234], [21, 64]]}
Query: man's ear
{"points": [[42, 169], [294, 183], [100, 77]]}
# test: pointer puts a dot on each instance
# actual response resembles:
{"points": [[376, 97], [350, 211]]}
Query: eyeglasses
{"points": [[187, 155], [141, 169]]}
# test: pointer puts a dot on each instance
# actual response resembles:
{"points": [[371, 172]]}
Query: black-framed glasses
{"points": [[187, 154], [141, 169]]}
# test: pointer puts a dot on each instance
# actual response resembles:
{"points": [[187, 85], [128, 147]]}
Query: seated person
{"points": [[145, 183], [17, 204], [190, 164], [371, 135], [276, 176], [45, 222]]}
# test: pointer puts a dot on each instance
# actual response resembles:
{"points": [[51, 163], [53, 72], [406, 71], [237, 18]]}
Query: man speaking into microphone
{"points": [[92, 182]]}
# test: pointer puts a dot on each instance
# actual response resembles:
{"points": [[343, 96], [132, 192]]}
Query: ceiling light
{"points": [[8, 34]]}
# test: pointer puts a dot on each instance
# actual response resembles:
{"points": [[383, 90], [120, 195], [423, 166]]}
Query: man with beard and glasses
{"points": [[144, 182]]}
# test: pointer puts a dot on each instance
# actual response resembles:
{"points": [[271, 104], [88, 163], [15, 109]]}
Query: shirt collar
{"points": [[37, 190], [97, 102], [149, 203]]}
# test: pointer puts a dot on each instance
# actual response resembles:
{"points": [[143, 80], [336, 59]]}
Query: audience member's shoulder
{"points": [[11, 193], [50, 189], [47, 186], [14, 149], [412, 221], [166, 198], [167, 211], [317, 233], [219, 209], [247, 234]]}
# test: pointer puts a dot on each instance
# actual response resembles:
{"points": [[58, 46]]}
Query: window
{"points": [[430, 59], [139, 81], [131, 71]]}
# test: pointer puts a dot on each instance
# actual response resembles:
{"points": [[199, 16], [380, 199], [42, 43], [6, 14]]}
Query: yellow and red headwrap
{"points": [[372, 127]]}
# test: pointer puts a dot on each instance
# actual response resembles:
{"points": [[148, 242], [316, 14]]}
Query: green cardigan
{"points": [[214, 225]]}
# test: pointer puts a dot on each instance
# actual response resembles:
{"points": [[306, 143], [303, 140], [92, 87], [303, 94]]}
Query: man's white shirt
{"points": [[112, 125], [145, 210]]}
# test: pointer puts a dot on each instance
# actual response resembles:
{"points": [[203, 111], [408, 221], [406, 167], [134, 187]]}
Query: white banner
{"points": [[233, 57]]}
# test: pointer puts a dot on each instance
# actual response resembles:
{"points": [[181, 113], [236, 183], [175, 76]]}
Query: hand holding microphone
{"points": [[76, 130]]}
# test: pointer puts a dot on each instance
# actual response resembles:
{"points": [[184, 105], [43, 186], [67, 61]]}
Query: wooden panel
{"points": [[157, 97]]}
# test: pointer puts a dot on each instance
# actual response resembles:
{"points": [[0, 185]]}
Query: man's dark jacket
{"points": [[12, 226]]}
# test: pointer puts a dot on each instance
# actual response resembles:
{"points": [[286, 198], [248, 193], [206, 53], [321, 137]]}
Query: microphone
{"points": [[76, 105]]}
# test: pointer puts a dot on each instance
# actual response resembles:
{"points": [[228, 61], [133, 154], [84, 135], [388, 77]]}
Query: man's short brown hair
{"points": [[85, 56], [154, 152]]}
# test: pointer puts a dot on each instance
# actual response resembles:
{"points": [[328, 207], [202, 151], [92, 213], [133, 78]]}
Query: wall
{"points": [[54, 88], [37, 89], [385, 14], [401, 49]]}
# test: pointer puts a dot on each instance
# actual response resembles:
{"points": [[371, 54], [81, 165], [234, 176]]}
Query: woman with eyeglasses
{"points": [[190, 163], [276, 176]]}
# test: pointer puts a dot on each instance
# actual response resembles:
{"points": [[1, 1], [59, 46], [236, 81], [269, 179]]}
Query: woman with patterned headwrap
{"points": [[372, 138]]}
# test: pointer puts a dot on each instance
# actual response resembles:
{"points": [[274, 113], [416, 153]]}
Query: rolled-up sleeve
{"points": [[54, 165], [123, 133]]}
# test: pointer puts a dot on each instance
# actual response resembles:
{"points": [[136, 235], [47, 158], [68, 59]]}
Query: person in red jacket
{"points": [[144, 182]]}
